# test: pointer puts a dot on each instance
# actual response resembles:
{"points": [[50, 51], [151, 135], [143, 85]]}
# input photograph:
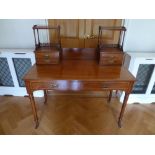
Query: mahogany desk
{"points": [[78, 75]]}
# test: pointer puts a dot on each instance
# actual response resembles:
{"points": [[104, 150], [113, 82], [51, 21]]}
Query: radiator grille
{"points": [[143, 77], [153, 90], [22, 65], [5, 75]]}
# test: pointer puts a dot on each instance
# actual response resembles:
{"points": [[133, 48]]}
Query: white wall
{"points": [[140, 36], [17, 33]]}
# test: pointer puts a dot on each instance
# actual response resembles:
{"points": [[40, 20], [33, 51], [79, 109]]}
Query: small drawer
{"points": [[47, 57], [111, 59]]}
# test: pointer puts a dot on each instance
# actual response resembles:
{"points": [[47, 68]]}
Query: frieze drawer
{"points": [[63, 85]]}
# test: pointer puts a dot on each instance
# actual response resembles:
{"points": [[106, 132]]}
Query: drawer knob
{"points": [[46, 56], [104, 86], [53, 85], [111, 61]]}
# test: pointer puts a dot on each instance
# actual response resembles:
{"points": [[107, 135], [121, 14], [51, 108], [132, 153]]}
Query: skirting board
{"points": [[137, 98], [18, 92]]}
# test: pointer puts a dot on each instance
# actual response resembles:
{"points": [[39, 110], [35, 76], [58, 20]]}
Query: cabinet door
{"points": [[83, 33], [92, 30], [72, 32]]}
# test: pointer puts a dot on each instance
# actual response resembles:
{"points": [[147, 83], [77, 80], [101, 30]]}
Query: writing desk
{"points": [[78, 75]]}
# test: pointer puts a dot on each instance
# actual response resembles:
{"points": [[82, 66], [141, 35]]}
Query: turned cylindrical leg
{"points": [[116, 92], [123, 109], [45, 96], [110, 96], [34, 110]]}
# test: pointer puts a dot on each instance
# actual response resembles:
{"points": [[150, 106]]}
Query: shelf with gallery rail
{"points": [[111, 53], [47, 52]]}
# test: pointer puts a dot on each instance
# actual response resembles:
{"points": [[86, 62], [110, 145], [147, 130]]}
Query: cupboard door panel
{"points": [[92, 29], [71, 30], [83, 33]]}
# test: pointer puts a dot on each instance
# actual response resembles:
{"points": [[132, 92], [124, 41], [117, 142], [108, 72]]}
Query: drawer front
{"points": [[105, 85], [63, 85], [45, 85], [47, 57], [111, 59]]}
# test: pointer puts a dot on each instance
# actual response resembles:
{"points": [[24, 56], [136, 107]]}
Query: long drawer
{"points": [[75, 85]]}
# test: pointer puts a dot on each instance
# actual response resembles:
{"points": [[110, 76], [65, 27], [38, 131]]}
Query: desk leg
{"points": [[116, 93], [45, 96], [110, 95], [123, 109], [34, 110]]}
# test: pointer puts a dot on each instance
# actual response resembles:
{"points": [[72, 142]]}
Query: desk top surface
{"points": [[79, 70]]}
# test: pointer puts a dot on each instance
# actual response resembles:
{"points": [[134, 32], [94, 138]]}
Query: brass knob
{"points": [[111, 61], [104, 86], [92, 37], [88, 36], [46, 56], [53, 85]]}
